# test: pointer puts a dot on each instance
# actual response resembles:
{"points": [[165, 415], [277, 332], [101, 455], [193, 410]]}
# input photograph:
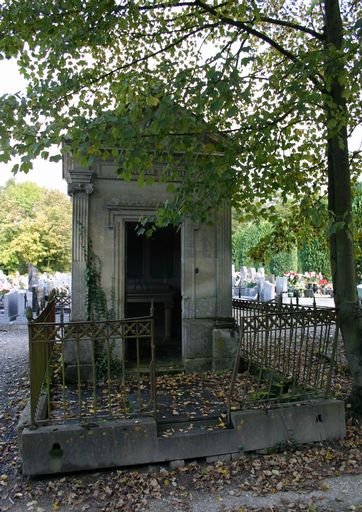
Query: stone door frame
{"points": [[118, 216]]}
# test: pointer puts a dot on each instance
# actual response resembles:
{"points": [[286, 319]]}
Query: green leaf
{"points": [[55, 158]]}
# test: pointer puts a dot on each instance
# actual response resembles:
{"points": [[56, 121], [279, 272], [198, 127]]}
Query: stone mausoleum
{"points": [[184, 271]]}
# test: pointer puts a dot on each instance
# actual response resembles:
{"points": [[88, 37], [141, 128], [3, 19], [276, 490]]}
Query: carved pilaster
{"points": [[79, 187], [223, 265], [188, 269]]}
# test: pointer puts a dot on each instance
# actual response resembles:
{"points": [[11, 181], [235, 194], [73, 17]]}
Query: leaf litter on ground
{"points": [[288, 468]]}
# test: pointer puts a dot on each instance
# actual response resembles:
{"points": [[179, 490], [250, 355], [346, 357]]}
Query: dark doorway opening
{"points": [[153, 275]]}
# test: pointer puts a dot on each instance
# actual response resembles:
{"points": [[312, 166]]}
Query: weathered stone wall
{"points": [[102, 204]]}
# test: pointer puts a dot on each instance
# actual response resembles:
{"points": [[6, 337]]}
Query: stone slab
{"points": [[224, 345], [299, 423], [64, 448]]}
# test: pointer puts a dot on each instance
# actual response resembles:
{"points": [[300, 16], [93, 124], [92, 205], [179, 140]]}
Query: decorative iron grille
{"points": [[288, 352], [110, 388]]}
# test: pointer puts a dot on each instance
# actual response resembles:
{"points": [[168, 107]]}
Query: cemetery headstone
{"points": [[32, 276], [252, 273], [10, 311], [243, 274], [281, 285], [34, 299], [359, 292], [261, 282], [269, 291]]}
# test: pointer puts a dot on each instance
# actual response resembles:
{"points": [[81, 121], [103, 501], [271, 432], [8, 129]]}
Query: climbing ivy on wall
{"points": [[96, 301]]}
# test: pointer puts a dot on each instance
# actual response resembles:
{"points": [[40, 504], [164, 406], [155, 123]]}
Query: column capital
{"points": [[80, 181]]}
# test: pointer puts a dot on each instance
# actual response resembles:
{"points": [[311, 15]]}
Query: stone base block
{"points": [[64, 448], [224, 345], [85, 373], [198, 364], [298, 423]]}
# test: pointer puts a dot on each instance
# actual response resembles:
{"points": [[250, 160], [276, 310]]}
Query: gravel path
{"points": [[323, 476], [13, 352], [13, 392]]}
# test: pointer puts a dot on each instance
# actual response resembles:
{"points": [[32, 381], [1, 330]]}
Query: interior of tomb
{"points": [[153, 276]]}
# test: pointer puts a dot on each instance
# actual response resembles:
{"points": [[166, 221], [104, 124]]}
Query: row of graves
{"points": [[252, 284], [19, 293]]}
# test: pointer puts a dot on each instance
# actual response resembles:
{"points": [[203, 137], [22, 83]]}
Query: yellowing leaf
{"points": [[152, 101]]}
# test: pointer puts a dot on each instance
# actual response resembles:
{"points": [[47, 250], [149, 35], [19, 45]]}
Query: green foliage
{"points": [[97, 309], [244, 239], [283, 262], [314, 256], [357, 220], [133, 81], [35, 228], [278, 84], [96, 300]]}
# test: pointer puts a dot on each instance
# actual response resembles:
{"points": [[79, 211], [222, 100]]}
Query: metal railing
{"points": [[245, 308], [79, 370], [39, 355], [285, 353], [63, 306]]}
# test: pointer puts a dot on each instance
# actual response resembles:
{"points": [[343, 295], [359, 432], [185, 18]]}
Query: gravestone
{"points": [[359, 292], [269, 291], [281, 285], [22, 305], [10, 307], [34, 299], [29, 299], [243, 274], [261, 282], [32, 276], [271, 278]]}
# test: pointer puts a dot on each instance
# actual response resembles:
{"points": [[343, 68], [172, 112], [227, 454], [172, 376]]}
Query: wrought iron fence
{"points": [[39, 355], [82, 370], [63, 304], [288, 352], [99, 370]]}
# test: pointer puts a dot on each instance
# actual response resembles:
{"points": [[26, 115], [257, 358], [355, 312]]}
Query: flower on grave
{"points": [[62, 291], [299, 286], [293, 277], [312, 277], [323, 282], [249, 283]]}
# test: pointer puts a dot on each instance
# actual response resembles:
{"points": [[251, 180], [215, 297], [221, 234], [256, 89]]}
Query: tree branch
{"points": [[260, 35], [296, 26], [142, 59]]}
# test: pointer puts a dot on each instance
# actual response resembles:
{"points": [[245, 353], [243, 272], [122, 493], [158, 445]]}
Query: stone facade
{"points": [[103, 207]]}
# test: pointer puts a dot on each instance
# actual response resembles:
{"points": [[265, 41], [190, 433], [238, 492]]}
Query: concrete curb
{"points": [[75, 447]]}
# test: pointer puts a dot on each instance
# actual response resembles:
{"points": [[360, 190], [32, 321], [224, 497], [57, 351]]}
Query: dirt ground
{"points": [[321, 476]]}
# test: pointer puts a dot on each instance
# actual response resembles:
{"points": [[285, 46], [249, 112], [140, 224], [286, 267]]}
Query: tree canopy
{"points": [[145, 81], [252, 72], [35, 228]]}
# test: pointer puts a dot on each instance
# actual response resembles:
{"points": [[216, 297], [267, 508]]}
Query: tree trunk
{"points": [[340, 204]]}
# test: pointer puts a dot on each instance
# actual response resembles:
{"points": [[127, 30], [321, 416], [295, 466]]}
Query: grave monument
{"points": [[183, 270]]}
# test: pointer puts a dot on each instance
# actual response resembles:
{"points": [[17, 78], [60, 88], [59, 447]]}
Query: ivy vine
{"points": [[96, 300], [96, 305]]}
